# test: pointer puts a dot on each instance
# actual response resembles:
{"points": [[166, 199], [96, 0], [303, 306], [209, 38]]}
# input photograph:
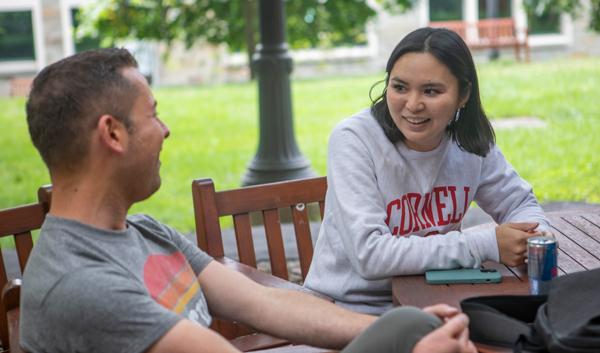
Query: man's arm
{"points": [[189, 337], [296, 316], [293, 315]]}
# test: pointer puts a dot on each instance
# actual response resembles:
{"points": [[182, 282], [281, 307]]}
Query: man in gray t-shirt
{"points": [[108, 279], [100, 281]]}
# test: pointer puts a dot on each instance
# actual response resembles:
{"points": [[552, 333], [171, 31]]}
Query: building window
{"points": [[504, 8], [85, 43], [445, 10], [546, 23], [16, 36]]}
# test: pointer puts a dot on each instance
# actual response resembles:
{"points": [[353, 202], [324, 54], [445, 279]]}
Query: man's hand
{"points": [[443, 311], [451, 337], [512, 241]]}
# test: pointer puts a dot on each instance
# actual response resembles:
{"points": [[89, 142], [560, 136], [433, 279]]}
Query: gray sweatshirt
{"points": [[392, 211]]}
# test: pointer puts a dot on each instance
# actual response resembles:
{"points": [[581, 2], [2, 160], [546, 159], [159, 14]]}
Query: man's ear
{"points": [[113, 133]]}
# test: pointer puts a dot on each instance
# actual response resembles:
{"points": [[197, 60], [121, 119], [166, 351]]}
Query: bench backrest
{"points": [[460, 27], [488, 31], [267, 199], [497, 31], [19, 222]]}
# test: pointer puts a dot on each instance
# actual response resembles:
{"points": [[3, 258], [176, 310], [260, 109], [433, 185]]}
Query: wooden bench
{"points": [[492, 33], [20, 221], [20, 86], [295, 196]]}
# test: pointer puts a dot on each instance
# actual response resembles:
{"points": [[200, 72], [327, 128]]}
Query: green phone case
{"points": [[463, 275]]}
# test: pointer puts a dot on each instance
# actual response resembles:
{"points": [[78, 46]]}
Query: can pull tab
{"points": [[548, 234]]}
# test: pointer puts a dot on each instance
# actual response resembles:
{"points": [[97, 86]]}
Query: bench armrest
{"points": [[11, 294], [9, 316]]}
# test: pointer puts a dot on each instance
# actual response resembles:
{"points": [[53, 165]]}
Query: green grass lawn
{"points": [[214, 132]]}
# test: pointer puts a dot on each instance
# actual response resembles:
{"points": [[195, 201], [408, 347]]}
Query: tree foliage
{"points": [[310, 23], [572, 7]]}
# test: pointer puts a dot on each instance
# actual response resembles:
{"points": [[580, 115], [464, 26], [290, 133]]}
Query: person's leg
{"points": [[397, 331]]}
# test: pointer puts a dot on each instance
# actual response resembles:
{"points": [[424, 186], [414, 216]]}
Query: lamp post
{"points": [[278, 156]]}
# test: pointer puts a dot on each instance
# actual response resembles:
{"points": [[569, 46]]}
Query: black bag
{"points": [[567, 320]]}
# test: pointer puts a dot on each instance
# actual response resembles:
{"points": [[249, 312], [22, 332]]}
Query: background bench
{"points": [[492, 33]]}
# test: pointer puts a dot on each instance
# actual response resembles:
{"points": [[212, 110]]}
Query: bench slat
{"points": [[243, 237], [23, 245], [275, 243], [279, 195], [21, 219], [303, 238]]}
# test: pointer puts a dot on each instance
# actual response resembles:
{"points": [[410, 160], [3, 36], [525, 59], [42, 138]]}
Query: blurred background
{"points": [[196, 54], [206, 42]]}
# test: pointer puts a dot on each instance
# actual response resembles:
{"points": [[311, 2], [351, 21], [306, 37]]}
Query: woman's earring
{"points": [[457, 115]]}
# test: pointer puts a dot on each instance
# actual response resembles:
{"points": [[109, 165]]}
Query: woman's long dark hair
{"points": [[473, 131]]}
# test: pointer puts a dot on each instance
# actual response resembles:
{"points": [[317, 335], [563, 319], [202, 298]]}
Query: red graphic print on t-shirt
{"points": [[170, 280]]}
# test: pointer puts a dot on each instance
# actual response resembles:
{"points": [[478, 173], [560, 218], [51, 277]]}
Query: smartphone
{"points": [[463, 275]]}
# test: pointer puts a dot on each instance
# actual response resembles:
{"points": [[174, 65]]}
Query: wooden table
{"points": [[578, 235]]}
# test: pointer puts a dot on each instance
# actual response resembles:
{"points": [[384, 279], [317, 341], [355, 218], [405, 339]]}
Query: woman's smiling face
{"points": [[422, 97]]}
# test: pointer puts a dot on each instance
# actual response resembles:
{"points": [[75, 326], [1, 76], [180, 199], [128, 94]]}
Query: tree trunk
{"points": [[250, 14]]}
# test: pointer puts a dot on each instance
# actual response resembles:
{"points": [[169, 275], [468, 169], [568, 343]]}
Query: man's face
{"points": [[142, 160]]}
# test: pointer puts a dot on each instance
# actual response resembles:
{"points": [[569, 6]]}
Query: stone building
{"points": [[34, 33]]}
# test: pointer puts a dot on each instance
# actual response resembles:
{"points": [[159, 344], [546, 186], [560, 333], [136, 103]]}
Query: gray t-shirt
{"points": [[92, 290]]}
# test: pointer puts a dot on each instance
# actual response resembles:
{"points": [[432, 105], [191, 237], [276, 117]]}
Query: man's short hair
{"points": [[69, 96]]}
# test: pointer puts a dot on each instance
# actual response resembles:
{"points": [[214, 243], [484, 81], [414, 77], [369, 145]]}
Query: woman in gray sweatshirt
{"points": [[402, 174]]}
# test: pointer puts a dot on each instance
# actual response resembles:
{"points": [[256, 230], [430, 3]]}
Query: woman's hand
{"points": [[512, 241]]}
